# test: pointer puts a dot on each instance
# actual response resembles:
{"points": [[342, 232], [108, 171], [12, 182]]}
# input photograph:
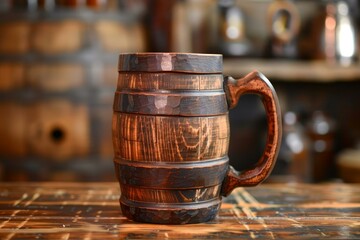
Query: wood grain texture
{"points": [[169, 81], [91, 211], [157, 153], [170, 139], [170, 62], [170, 213], [141, 194], [168, 122], [171, 131], [172, 175]]}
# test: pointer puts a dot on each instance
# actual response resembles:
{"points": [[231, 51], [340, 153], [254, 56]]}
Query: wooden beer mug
{"points": [[171, 135]]}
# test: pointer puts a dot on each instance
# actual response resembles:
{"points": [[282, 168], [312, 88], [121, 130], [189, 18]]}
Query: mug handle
{"points": [[255, 83]]}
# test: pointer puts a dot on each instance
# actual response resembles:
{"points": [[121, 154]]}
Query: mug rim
{"points": [[170, 62], [170, 53]]}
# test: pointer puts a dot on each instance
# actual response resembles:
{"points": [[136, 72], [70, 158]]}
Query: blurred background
{"points": [[58, 73]]}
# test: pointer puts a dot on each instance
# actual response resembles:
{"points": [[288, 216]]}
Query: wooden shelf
{"points": [[291, 70]]}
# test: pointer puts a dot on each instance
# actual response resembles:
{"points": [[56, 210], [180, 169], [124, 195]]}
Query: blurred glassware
{"points": [[321, 130], [294, 157], [336, 34], [284, 24], [345, 34], [233, 41]]}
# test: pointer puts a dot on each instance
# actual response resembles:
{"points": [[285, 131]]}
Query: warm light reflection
{"points": [[295, 143], [346, 44], [345, 34], [234, 20], [330, 23]]}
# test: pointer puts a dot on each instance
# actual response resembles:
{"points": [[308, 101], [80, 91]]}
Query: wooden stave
{"points": [[170, 139], [168, 81], [172, 175], [152, 195], [180, 104]]}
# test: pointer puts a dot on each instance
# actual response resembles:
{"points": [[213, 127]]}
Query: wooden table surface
{"points": [[91, 211]]}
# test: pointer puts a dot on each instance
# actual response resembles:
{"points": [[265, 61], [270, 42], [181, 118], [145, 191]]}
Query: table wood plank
{"points": [[91, 211]]}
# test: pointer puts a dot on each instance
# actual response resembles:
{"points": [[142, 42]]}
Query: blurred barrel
{"points": [[115, 36], [58, 130], [12, 130], [56, 77], [58, 37], [170, 136], [11, 76], [14, 37]]}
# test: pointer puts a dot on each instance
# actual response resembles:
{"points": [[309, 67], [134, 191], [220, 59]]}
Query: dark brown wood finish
{"points": [[255, 83], [171, 136], [91, 211], [150, 195], [171, 62], [204, 103], [147, 138], [169, 81], [171, 175]]}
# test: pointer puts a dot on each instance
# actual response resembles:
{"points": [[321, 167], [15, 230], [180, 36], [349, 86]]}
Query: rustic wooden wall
{"points": [[58, 73]]}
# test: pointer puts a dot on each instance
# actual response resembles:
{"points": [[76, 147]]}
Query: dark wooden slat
{"points": [[172, 175], [180, 214], [170, 196], [170, 62], [178, 104]]}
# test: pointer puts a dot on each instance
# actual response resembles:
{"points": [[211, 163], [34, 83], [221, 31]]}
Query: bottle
{"points": [[321, 132], [233, 40], [298, 144]]}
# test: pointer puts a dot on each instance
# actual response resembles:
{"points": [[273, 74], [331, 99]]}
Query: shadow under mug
{"points": [[171, 135]]}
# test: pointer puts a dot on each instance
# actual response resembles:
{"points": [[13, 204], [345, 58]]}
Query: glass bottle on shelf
{"points": [[294, 162], [321, 132]]}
